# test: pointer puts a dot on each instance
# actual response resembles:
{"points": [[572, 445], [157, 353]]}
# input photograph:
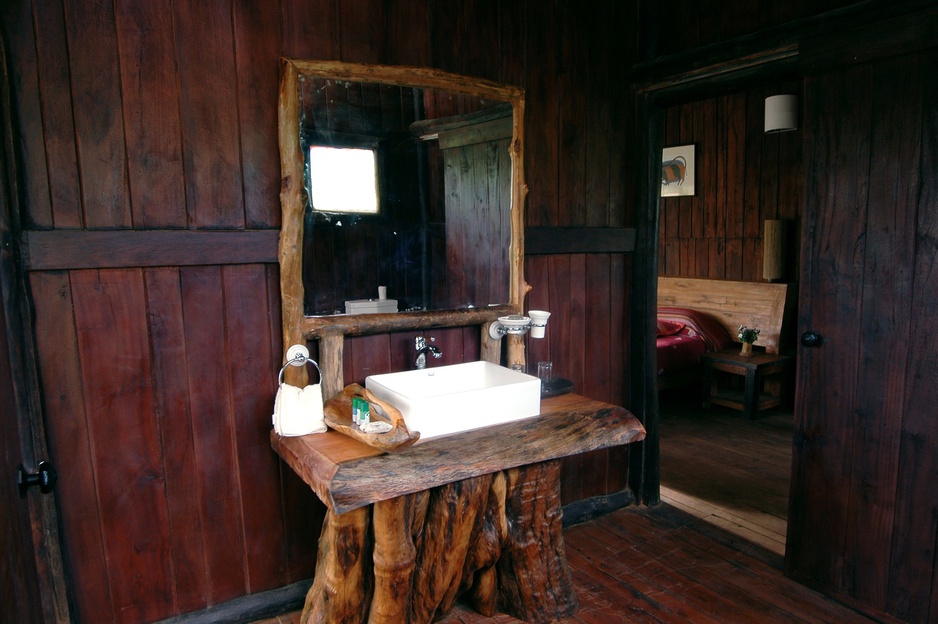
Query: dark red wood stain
{"points": [[65, 413], [156, 382], [743, 178], [174, 414]]}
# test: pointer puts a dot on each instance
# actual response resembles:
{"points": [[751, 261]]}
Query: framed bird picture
{"points": [[677, 171]]}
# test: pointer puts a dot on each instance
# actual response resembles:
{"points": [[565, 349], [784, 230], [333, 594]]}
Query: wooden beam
{"points": [[51, 250], [568, 240], [904, 34]]}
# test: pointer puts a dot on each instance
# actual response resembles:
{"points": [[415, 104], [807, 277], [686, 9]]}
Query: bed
{"points": [[697, 316], [684, 335]]}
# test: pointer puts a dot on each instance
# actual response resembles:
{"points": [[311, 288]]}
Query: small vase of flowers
{"points": [[747, 336]]}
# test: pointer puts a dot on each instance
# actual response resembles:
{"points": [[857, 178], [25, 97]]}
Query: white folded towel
{"points": [[298, 411]]}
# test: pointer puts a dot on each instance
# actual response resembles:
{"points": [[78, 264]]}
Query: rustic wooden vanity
{"points": [[475, 514]]}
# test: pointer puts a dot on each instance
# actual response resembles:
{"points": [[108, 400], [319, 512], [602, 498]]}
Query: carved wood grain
{"points": [[341, 588], [534, 581], [340, 469], [496, 538], [291, 229], [487, 548], [453, 513], [394, 559]]}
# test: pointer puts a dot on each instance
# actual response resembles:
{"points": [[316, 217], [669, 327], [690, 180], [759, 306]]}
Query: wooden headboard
{"points": [[753, 304]]}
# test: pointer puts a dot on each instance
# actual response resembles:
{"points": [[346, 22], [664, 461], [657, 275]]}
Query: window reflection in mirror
{"points": [[440, 236], [343, 179]]}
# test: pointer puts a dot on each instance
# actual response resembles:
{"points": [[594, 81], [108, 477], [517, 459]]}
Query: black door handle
{"points": [[812, 339], [45, 477]]}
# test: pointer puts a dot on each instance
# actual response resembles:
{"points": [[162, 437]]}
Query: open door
{"points": [[864, 500]]}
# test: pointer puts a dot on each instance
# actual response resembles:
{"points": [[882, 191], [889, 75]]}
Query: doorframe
{"points": [[47, 574], [760, 58], [664, 83]]}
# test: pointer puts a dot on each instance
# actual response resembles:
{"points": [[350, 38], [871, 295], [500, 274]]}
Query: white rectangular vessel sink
{"points": [[459, 397]]}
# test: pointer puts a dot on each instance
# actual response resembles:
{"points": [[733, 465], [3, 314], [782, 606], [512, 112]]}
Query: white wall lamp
{"points": [[781, 113]]}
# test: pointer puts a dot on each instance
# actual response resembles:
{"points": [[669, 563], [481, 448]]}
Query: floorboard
{"points": [[730, 472], [660, 564]]}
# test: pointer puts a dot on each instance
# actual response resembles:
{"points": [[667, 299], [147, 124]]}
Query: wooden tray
{"points": [[338, 415]]}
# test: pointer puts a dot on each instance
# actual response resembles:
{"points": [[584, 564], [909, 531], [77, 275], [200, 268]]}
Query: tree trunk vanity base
{"points": [[476, 515], [495, 538]]}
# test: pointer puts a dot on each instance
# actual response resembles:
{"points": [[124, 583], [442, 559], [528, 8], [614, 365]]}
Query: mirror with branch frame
{"points": [[444, 236]]}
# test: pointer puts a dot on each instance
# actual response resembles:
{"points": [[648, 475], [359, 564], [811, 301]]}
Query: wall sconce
{"points": [[773, 250], [781, 113]]}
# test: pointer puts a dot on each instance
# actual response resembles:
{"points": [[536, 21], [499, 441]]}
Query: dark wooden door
{"points": [[864, 503]]}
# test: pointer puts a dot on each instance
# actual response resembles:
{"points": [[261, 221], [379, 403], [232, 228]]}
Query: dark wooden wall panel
{"points": [[158, 380], [257, 35], [150, 95], [560, 284], [121, 428], [61, 207], [361, 31], [542, 117], [687, 24], [406, 33], [99, 125], [67, 425], [253, 343], [210, 401], [913, 555], [208, 95], [171, 404], [743, 177]]}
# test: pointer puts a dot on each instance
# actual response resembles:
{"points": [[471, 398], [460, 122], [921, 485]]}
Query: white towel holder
{"points": [[298, 355]]}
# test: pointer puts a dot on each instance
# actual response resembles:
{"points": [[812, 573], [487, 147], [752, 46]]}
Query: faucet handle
{"points": [[420, 342]]}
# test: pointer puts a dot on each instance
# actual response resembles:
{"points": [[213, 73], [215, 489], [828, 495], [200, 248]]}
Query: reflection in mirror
{"points": [[459, 211], [441, 233]]}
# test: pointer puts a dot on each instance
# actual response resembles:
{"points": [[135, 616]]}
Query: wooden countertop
{"points": [[347, 474]]}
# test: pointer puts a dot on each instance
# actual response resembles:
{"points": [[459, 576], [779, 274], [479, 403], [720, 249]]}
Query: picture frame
{"points": [[677, 171]]}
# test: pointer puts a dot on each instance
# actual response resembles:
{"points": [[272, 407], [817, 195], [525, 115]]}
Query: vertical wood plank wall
{"points": [[743, 177], [158, 381]]}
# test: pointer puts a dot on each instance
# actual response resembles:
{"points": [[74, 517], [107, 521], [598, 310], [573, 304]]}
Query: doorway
{"points": [[732, 472]]}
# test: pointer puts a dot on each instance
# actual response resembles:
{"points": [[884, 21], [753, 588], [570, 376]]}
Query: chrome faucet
{"points": [[423, 349]]}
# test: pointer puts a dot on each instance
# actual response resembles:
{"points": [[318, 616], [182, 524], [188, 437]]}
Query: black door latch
{"points": [[45, 477]]}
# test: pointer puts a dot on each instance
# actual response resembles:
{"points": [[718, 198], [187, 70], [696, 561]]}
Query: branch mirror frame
{"points": [[331, 330]]}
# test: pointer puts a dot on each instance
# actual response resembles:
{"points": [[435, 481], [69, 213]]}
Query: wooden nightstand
{"points": [[755, 370]]}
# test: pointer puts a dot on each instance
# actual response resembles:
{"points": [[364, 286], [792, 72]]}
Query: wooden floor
{"points": [[728, 471], [660, 564]]}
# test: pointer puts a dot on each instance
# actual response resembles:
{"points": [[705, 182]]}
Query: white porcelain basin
{"points": [[449, 399]]}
